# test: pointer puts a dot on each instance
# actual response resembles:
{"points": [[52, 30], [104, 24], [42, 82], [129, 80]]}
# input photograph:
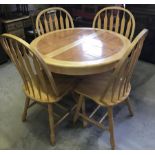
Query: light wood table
{"points": [[81, 51]]}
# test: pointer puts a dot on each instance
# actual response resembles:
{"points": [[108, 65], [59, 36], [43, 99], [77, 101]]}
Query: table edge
{"points": [[77, 64]]}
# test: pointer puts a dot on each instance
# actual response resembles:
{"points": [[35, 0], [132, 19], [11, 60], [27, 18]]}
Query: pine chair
{"points": [[40, 85], [110, 89], [54, 18], [116, 19]]}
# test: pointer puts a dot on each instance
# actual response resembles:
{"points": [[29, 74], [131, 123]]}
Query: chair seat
{"points": [[93, 87], [64, 85]]}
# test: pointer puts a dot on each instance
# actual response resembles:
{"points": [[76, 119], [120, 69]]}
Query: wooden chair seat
{"points": [[93, 87], [64, 85]]}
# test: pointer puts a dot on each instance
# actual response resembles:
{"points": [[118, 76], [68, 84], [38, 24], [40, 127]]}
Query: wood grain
{"points": [[87, 50]]}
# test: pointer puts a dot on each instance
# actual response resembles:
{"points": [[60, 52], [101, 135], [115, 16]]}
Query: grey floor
{"points": [[136, 132]]}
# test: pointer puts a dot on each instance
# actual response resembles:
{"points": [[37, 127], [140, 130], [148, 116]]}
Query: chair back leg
{"points": [[27, 102], [85, 123], [51, 123], [129, 107], [80, 102]]}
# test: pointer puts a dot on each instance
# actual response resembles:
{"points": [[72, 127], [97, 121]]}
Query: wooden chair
{"points": [[116, 19], [110, 89], [40, 85], [54, 18]]}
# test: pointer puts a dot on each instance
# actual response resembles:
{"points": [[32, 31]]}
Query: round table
{"points": [[81, 51]]}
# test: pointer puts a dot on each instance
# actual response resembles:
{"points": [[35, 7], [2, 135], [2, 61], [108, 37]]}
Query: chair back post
{"points": [[54, 18], [114, 19], [30, 65], [119, 83]]}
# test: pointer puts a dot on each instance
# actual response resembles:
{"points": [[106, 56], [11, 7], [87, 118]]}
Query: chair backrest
{"points": [[54, 18], [33, 70], [119, 83], [116, 19]]}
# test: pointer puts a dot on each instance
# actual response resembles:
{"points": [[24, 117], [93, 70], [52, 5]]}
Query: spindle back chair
{"points": [[52, 19], [40, 85], [116, 19], [110, 89]]}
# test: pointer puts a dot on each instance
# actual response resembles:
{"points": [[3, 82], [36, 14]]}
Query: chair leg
{"points": [[85, 123], [27, 102], [51, 123], [80, 102], [129, 107], [111, 127], [75, 97]]}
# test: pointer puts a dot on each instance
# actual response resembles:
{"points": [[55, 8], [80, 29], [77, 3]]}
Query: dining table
{"points": [[81, 51]]}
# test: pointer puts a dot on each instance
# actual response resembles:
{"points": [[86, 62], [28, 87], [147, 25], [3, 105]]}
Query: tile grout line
{"points": [[71, 45]]}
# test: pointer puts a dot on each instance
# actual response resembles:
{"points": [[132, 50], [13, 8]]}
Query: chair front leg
{"points": [[129, 107], [51, 123], [80, 102], [111, 127], [27, 102]]}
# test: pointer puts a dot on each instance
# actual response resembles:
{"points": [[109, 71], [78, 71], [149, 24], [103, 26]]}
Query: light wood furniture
{"points": [[54, 18], [16, 26], [81, 51], [116, 19], [110, 89], [40, 85]]}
